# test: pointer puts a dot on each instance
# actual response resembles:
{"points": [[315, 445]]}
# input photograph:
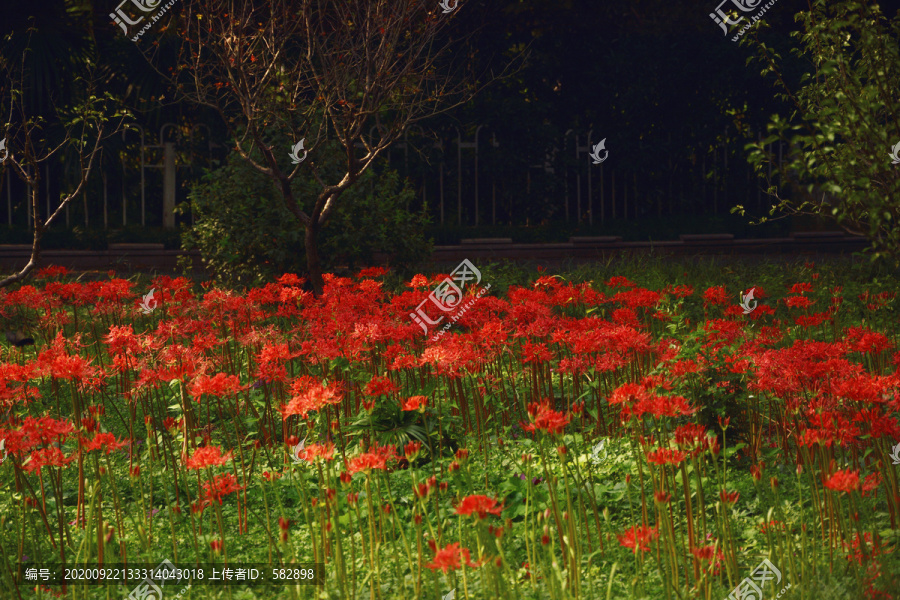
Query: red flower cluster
{"points": [[844, 481], [218, 488], [376, 459], [207, 456], [478, 505], [638, 538], [545, 418], [309, 395], [448, 558]]}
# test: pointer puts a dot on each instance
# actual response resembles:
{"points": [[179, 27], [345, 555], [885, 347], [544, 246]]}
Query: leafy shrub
{"points": [[246, 235], [843, 123]]}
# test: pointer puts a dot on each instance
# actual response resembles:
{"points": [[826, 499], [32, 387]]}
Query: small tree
{"points": [[77, 124], [317, 69], [845, 120]]}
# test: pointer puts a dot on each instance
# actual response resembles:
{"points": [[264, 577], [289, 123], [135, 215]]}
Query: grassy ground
{"points": [[605, 430]]}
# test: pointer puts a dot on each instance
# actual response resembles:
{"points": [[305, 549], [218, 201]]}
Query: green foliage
{"points": [[246, 234], [846, 119]]}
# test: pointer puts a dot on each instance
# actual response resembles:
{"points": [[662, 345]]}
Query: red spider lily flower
{"points": [[207, 456], [662, 497], [51, 271], [798, 302], [715, 296], [659, 406], [43, 431], [270, 362], [414, 403], [707, 553], [756, 470], [462, 454], [545, 418], [216, 546], [861, 555], [801, 288], [844, 481], [64, 366], [381, 386], [480, 505], [860, 339], [638, 538], [309, 395], [411, 450], [535, 353], [637, 298], [872, 481], [729, 497], [626, 317], [734, 311], [219, 487], [418, 281], [628, 393], [619, 281], [47, 457], [291, 279], [421, 490], [376, 459], [711, 555], [689, 434], [662, 456], [448, 558], [220, 384], [104, 439], [122, 340], [761, 311], [314, 452]]}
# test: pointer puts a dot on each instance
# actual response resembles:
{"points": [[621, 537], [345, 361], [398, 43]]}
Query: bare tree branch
{"points": [[314, 70]]}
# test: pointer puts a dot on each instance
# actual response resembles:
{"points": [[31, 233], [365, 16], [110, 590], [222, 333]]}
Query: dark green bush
{"points": [[246, 235]]}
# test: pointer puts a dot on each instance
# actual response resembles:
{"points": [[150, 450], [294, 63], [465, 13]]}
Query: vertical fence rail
{"points": [[562, 185]]}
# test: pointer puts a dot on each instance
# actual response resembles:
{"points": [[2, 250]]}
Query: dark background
{"points": [[674, 98]]}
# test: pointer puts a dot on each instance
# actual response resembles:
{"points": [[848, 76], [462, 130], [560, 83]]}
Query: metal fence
{"points": [[466, 178]]}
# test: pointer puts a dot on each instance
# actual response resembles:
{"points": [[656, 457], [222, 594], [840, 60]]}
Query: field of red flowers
{"points": [[569, 437]]}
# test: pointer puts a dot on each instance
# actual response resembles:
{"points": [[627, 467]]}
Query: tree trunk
{"points": [[312, 257]]}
